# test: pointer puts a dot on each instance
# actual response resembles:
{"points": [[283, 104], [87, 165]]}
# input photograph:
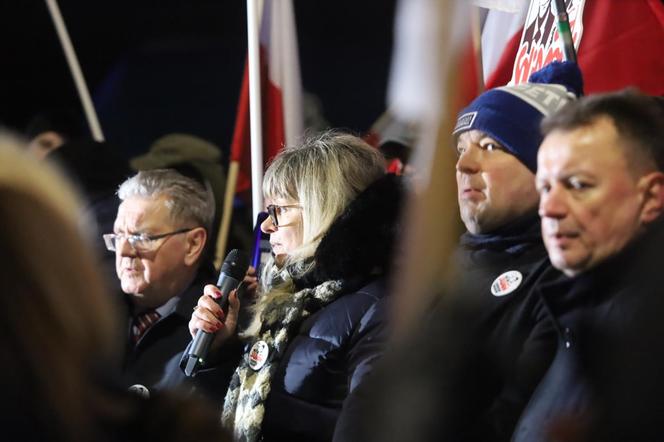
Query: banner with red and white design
{"points": [[540, 42], [619, 44]]}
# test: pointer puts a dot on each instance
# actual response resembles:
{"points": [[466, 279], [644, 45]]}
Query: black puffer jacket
{"points": [[468, 369], [337, 346]]}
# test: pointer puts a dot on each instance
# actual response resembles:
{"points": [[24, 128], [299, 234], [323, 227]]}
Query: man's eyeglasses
{"points": [[274, 211], [140, 242]]}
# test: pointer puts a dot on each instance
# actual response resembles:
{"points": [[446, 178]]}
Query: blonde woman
{"points": [[319, 322]]}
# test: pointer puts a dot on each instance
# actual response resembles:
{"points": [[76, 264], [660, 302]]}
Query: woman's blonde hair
{"points": [[323, 173], [58, 320]]}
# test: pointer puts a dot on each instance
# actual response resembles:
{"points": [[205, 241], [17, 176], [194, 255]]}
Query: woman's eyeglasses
{"points": [[274, 211]]}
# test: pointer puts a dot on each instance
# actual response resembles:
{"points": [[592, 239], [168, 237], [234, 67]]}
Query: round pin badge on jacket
{"points": [[506, 283], [258, 355]]}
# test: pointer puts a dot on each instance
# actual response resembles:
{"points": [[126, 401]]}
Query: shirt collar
{"points": [[168, 308]]}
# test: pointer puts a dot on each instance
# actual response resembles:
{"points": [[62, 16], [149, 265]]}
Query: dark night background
{"points": [[155, 67]]}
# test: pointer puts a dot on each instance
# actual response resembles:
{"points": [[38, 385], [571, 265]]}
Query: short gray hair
{"points": [[187, 199]]}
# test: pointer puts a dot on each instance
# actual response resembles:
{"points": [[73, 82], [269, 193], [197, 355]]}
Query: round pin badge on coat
{"points": [[258, 355], [506, 283]]}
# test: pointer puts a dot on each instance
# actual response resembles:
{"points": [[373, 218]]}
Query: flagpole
{"points": [[564, 31], [476, 32], [226, 213], [255, 107], [75, 68]]}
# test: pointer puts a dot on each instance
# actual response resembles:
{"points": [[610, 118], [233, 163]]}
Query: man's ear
{"points": [[652, 186], [195, 245]]}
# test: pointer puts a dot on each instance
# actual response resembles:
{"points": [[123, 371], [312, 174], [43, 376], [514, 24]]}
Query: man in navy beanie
{"points": [[470, 370], [501, 257]]}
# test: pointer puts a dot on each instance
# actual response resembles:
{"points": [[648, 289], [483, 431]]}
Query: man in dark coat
{"points": [[159, 238], [601, 190], [469, 372], [501, 257]]}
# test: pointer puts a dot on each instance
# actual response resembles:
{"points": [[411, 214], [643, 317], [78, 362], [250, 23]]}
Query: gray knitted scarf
{"points": [[244, 405]]}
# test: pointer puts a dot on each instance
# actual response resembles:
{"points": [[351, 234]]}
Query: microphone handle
{"points": [[201, 344]]}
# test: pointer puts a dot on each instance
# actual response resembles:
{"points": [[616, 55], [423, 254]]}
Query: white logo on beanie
{"points": [[464, 122], [546, 98]]}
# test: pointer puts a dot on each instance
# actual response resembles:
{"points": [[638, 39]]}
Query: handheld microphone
{"points": [[232, 273]]}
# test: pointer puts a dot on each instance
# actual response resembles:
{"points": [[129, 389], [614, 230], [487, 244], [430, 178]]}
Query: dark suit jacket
{"points": [[154, 360]]}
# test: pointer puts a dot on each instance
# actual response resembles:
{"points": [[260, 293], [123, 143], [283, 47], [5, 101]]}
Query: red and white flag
{"points": [[500, 36], [281, 106], [281, 90]]}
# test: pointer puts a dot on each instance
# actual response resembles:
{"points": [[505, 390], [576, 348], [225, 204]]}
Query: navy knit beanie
{"points": [[512, 114]]}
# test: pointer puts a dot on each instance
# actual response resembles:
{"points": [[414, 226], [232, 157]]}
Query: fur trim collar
{"points": [[360, 243]]}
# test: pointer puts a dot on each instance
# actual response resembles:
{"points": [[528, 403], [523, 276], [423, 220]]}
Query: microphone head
{"points": [[236, 264]]}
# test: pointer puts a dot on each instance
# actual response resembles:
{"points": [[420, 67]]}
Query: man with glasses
{"points": [[159, 239]]}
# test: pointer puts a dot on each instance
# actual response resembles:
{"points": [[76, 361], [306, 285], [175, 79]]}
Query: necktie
{"points": [[142, 323]]}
